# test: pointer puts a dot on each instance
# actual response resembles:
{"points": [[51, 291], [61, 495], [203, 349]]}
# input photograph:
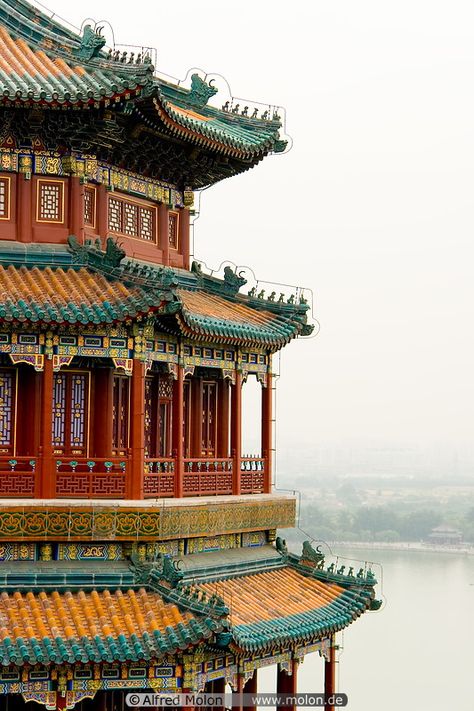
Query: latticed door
{"points": [[7, 410], [71, 413], [158, 397], [209, 418], [121, 415]]}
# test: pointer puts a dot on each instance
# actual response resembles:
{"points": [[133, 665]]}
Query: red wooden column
{"points": [[183, 238], [178, 431], [46, 432], [135, 486], [102, 210], [103, 415], [163, 233], [267, 432], [236, 430], [196, 417], [330, 673], [287, 684], [223, 419], [236, 703], [60, 700], [24, 207], [251, 688], [76, 208]]}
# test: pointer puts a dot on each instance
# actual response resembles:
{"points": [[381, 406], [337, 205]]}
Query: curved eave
{"points": [[232, 333], [208, 137]]}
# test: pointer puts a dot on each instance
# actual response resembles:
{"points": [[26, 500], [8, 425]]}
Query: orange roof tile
{"points": [[282, 605], [93, 626], [72, 295]]}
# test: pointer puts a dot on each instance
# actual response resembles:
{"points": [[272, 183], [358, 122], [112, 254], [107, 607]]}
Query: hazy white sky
{"points": [[372, 208]]}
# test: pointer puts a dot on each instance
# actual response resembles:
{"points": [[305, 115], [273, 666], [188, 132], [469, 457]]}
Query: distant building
{"points": [[445, 536]]}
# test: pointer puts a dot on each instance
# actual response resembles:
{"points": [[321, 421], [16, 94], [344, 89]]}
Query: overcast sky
{"points": [[372, 208]]}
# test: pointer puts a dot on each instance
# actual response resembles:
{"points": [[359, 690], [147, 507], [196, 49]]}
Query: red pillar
{"points": [[178, 431], [76, 208], [183, 239], [223, 419], [196, 417], [287, 684], [103, 415], [237, 704], [24, 208], [137, 430], [60, 701], [251, 688], [236, 434], [330, 673], [163, 232], [267, 432], [102, 211], [46, 432]]}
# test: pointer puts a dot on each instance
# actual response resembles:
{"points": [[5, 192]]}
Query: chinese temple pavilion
{"points": [[138, 543]]}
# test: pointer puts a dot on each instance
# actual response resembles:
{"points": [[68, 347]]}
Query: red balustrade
{"points": [[91, 478], [18, 477], [207, 477], [159, 478], [252, 475]]}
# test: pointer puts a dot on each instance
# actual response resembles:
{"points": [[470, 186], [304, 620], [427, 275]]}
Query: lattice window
{"points": [[132, 219], [59, 410], [173, 230], [147, 221], [115, 215], [120, 414], [70, 413], [4, 199], [7, 410], [149, 400], [165, 387], [50, 201], [78, 411], [89, 207]]}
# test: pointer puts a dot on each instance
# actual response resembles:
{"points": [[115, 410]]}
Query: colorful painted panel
{"points": [[254, 538], [17, 551], [89, 551], [213, 543]]}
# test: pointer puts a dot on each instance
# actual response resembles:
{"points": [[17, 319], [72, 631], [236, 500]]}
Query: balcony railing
{"points": [[159, 478], [207, 477], [91, 478], [252, 475], [18, 477], [109, 478]]}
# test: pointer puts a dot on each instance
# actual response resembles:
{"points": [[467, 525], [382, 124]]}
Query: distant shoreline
{"points": [[402, 547]]}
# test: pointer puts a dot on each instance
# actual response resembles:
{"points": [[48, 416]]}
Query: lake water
{"points": [[416, 653]]}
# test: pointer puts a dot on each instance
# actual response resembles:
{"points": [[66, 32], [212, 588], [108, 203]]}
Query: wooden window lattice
{"points": [[4, 198], [173, 230], [7, 414], [50, 201], [89, 207], [131, 219], [70, 415]]}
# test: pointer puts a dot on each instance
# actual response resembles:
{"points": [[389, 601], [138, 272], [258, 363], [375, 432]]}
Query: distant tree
{"points": [[416, 525], [348, 494], [376, 519], [388, 536]]}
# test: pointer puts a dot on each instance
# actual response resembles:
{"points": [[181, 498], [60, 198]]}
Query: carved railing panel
{"points": [[207, 477], [159, 478], [91, 478], [252, 475], [18, 477]]}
